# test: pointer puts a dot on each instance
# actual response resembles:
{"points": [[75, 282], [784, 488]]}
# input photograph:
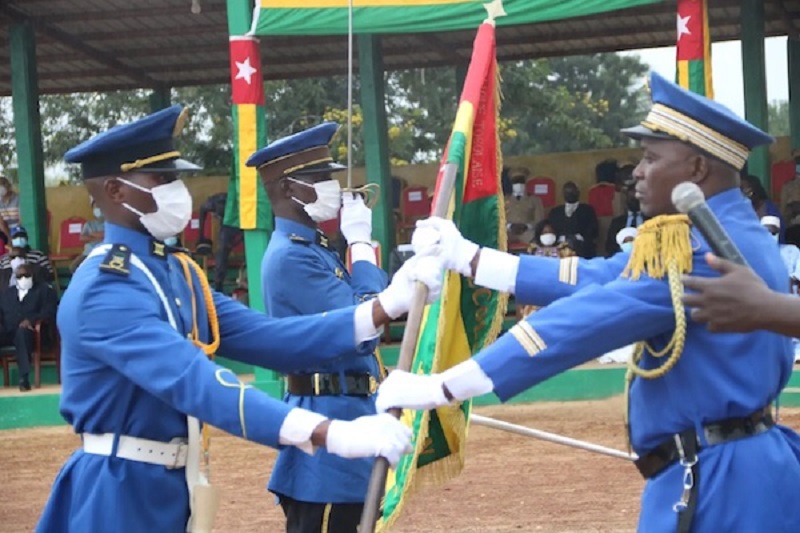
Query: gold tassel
{"points": [[659, 242]]}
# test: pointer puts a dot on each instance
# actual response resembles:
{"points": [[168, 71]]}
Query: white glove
{"points": [[396, 298], [410, 391], [369, 436], [356, 224], [440, 237]]}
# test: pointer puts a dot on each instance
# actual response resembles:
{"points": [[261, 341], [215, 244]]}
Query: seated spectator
{"points": [[91, 235], [9, 209], [575, 222], [16, 257], [763, 206], [625, 238], [523, 212], [545, 245], [545, 242], [21, 307], [789, 252], [632, 217], [19, 239]]}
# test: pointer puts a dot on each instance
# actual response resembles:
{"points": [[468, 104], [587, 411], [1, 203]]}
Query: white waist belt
{"points": [[168, 454]]}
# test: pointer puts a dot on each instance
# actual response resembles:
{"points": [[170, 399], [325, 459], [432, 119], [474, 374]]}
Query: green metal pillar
{"points": [[755, 83], [160, 98], [30, 158], [376, 139], [461, 77], [240, 18], [793, 56]]}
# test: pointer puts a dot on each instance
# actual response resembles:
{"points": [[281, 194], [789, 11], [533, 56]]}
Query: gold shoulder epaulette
{"points": [[117, 260], [659, 242]]}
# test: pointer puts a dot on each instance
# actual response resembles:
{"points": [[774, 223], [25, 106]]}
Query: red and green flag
{"points": [[247, 206], [466, 318], [694, 47]]}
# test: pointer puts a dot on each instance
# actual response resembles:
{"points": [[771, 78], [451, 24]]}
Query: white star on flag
{"points": [[246, 71], [683, 25]]}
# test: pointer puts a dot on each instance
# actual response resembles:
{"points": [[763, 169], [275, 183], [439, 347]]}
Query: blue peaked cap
{"points": [[304, 152], [146, 145], [694, 119]]}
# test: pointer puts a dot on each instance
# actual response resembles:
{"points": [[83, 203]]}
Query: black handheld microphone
{"points": [[690, 200]]}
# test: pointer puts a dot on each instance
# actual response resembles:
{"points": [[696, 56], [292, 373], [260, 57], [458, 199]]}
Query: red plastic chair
{"points": [[70, 245], [782, 172], [414, 205], [544, 188], [601, 198]]}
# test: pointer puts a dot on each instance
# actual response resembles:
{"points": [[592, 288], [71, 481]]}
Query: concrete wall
{"points": [[66, 201]]}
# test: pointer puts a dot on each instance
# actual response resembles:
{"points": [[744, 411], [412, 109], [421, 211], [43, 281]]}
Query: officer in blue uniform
{"points": [[699, 403], [301, 275], [138, 325]]}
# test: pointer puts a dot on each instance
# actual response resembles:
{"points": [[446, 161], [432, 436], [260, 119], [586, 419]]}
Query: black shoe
{"points": [[24, 385]]}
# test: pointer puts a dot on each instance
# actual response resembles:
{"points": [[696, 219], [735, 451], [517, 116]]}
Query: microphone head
{"points": [[686, 196]]}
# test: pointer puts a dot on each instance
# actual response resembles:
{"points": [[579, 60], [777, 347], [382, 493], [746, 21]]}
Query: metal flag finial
{"points": [[494, 9]]}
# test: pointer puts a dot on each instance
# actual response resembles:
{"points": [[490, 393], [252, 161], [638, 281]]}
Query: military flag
{"points": [[466, 318]]}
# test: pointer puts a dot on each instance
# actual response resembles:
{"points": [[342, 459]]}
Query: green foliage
{"points": [[778, 113], [549, 105]]}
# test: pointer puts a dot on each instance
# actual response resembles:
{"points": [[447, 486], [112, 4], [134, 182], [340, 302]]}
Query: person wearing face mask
{"points": [[523, 211], [21, 307], [19, 240], [91, 234], [575, 222], [9, 209], [301, 274], [139, 326], [632, 218], [545, 244]]}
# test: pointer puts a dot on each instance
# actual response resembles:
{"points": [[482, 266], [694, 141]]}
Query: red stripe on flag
{"points": [[690, 30], [247, 85]]}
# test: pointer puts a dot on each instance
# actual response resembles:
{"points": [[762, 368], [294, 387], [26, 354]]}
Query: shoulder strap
{"points": [[136, 262]]}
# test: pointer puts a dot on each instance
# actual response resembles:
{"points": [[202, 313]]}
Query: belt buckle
{"points": [[373, 385], [182, 453], [315, 386]]}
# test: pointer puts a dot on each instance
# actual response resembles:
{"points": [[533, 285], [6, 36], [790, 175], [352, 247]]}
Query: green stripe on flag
{"points": [[697, 76]]}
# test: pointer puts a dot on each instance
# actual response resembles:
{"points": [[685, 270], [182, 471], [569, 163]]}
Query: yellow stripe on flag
{"points": [[317, 4], [248, 176], [683, 74], [707, 53]]}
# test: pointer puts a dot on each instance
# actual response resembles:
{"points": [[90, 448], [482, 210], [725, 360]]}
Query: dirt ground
{"points": [[510, 483]]}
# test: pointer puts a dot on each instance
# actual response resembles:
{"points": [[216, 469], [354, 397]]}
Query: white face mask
{"points": [[518, 189], [548, 239], [173, 208], [97, 213], [627, 246], [17, 261], [25, 284], [171, 241], [329, 200], [776, 236]]}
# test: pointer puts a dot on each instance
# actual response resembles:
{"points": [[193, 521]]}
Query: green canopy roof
{"points": [[330, 17]]}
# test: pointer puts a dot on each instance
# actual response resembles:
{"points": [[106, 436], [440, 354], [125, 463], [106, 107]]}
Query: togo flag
{"points": [[466, 318], [694, 48]]}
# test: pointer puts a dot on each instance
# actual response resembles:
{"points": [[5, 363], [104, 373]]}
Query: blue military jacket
{"points": [[301, 276], [719, 376], [126, 371]]}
